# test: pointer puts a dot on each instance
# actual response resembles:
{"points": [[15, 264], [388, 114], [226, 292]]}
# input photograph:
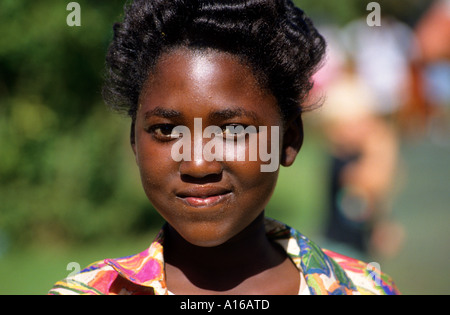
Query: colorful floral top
{"points": [[323, 271]]}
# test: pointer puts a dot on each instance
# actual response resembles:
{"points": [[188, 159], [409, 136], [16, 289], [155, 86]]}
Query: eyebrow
{"points": [[163, 113], [232, 113], [214, 115]]}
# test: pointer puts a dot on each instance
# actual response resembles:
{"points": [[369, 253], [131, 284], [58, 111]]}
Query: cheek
{"points": [[256, 186], [155, 164]]}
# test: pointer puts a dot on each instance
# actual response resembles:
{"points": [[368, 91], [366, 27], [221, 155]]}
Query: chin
{"points": [[209, 237], [207, 241]]}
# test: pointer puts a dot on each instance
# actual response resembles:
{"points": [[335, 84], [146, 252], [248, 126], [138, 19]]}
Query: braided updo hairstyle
{"points": [[275, 38]]}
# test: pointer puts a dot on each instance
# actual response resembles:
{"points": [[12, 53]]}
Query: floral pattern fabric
{"points": [[325, 272]]}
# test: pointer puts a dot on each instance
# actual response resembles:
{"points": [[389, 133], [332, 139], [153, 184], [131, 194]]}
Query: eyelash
{"points": [[163, 132], [233, 135]]}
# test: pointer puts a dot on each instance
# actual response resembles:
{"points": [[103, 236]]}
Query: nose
{"points": [[202, 165], [201, 169]]}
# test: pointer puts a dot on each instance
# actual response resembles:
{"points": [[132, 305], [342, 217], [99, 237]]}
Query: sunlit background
{"points": [[69, 186]]}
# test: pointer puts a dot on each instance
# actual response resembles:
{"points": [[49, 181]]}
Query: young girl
{"points": [[200, 79]]}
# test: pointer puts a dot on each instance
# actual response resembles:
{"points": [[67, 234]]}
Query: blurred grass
{"points": [[34, 270], [422, 206]]}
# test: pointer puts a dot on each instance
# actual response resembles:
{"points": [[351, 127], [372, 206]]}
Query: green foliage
{"points": [[66, 167]]}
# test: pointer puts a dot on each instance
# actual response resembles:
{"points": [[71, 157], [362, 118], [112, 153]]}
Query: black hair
{"points": [[274, 37]]}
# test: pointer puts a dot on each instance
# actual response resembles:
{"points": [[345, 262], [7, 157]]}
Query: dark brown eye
{"points": [[235, 131], [164, 132]]}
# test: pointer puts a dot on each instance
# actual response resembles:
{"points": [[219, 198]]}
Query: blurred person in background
{"points": [[364, 82], [433, 36], [381, 84]]}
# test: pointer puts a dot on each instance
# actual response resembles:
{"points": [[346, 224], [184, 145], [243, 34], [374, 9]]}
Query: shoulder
{"points": [[327, 272], [367, 277], [95, 279], [108, 277]]}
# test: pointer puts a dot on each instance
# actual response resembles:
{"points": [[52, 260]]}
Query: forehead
{"points": [[202, 65], [205, 77]]}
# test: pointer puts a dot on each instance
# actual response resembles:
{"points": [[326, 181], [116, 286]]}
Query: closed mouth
{"points": [[203, 196]]}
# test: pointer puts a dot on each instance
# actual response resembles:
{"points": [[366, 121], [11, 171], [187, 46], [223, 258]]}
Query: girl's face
{"points": [[206, 201]]}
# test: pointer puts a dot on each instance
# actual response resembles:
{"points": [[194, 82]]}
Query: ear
{"points": [[292, 140], [133, 136]]}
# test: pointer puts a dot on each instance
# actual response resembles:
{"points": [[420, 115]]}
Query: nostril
{"points": [[211, 178], [201, 170]]}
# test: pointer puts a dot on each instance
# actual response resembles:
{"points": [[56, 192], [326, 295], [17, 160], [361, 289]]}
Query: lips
{"points": [[204, 196]]}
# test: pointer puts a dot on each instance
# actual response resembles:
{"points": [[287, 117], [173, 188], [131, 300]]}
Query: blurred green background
{"points": [[69, 187]]}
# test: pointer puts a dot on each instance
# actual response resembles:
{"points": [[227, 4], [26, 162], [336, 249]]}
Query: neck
{"points": [[246, 254]]}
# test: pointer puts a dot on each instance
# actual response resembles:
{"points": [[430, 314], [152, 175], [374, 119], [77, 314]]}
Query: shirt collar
{"points": [[146, 268], [322, 274]]}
